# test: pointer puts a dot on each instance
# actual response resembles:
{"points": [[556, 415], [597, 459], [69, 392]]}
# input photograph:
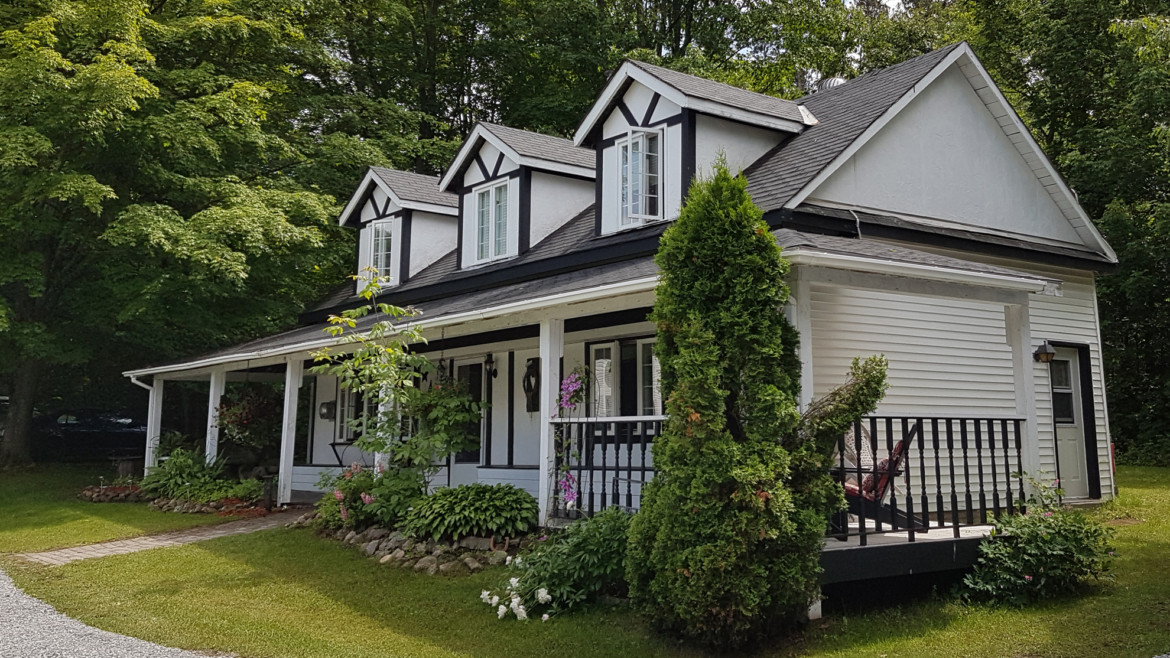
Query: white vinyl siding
{"points": [[947, 356]]}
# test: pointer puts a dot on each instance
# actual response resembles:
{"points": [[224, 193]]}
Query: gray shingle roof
{"points": [[696, 87], [543, 147], [843, 112], [416, 187]]}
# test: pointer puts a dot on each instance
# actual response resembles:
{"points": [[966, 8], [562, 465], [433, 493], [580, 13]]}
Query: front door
{"points": [[465, 465], [1069, 419]]}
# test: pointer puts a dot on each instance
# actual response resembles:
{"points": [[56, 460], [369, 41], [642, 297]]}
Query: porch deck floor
{"points": [[936, 534]]}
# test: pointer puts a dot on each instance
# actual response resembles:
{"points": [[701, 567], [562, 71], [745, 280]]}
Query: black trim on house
{"points": [[599, 187], [515, 173], [404, 248], [611, 319], [459, 237], [511, 408], [499, 163], [688, 152], [483, 170], [626, 113], [667, 122], [483, 338], [650, 107], [488, 385], [525, 208], [1088, 417], [874, 226]]}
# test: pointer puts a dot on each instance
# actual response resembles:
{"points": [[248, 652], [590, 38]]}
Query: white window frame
{"points": [[497, 245], [644, 344], [630, 215], [385, 269]]}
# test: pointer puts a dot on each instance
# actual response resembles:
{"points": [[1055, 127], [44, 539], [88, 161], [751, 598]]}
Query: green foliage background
{"points": [[170, 170]]}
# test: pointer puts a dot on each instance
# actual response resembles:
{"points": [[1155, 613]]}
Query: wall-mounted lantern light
{"points": [[489, 365], [1044, 353], [328, 410]]}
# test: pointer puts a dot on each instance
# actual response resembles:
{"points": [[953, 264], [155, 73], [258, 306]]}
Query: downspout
{"points": [[134, 380]]}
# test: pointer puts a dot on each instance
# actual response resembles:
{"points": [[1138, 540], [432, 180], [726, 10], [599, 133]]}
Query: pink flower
{"points": [[356, 468], [338, 495], [367, 498], [1028, 578], [344, 513]]}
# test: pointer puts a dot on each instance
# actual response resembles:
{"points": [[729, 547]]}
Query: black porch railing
{"points": [[906, 474], [917, 474], [602, 462]]}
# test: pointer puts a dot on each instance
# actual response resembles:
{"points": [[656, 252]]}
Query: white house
{"points": [[922, 222]]}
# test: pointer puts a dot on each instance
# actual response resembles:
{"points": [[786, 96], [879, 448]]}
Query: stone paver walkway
{"points": [[67, 555]]}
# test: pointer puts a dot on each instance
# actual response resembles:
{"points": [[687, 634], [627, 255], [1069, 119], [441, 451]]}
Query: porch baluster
{"points": [[994, 467], [1007, 464], [1020, 464], [938, 494], [979, 466], [630, 464], [951, 463], [922, 473], [862, 525], [610, 434], [907, 466], [966, 471], [585, 465]]}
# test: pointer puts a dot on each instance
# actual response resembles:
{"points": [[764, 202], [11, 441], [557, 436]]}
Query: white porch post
{"points": [[800, 315], [552, 347], [1019, 337], [215, 392], [293, 376], [153, 424]]}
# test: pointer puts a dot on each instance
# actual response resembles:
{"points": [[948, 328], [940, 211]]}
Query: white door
{"points": [[1068, 418], [465, 465]]}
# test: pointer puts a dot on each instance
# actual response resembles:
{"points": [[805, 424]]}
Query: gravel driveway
{"points": [[32, 629]]}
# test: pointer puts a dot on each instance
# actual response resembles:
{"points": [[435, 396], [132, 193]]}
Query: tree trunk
{"points": [[14, 449]]}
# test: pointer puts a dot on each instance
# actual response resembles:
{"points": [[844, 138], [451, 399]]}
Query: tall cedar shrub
{"points": [[726, 546]]}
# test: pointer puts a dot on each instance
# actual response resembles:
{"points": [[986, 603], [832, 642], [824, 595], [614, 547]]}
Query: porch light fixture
{"points": [[489, 365], [1044, 353], [328, 410]]}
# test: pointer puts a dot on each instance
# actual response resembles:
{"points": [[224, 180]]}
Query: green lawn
{"points": [[39, 510], [289, 593]]}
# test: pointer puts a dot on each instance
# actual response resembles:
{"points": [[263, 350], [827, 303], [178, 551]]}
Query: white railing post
{"points": [[552, 347], [1019, 338], [215, 392], [153, 425], [293, 376]]}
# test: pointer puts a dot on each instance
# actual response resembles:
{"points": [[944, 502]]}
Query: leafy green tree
{"points": [[735, 456], [146, 201]]}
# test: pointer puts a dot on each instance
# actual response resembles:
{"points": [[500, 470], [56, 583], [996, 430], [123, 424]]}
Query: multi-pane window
{"points": [[1063, 404], [381, 248], [626, 379], [640, 158], [491, 222]]}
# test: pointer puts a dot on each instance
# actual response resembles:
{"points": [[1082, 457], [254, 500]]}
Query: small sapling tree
{"points": [[726, 546]]}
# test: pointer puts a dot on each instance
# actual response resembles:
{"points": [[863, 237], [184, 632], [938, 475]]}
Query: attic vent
{"points": [[828, 83]]}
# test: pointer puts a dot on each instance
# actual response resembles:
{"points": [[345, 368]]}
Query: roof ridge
{"points": [[638, 62]]}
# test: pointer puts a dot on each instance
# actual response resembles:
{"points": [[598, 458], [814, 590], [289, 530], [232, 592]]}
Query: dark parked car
{"points": [[88, 435]]}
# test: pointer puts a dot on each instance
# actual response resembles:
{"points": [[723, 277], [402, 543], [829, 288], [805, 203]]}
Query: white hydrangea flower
{"points": [[542, 595], [508, 561], [521, 613], [485, 596], [514, 582], [544, 617], [501, 611], [570, 505], [495, 600], [519, 561]]}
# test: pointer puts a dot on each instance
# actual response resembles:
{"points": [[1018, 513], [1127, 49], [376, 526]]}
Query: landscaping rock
{"points": [[428, 562], [393, 542], [496, 558], [340, 535], [398, 554], [387, 558], [349, 538], [476, 543], [371, 547], [453, 568], [473, 564], [376, 533]]}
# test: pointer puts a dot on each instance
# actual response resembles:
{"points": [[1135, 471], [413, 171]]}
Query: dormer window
{"points": [[491, 204], [640, 159], [382, 245]]}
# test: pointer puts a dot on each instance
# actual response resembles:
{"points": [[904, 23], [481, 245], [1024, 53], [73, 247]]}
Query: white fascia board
{"points": [[875, 127], [367, 180], [470, 148], [429, 207], [727, 112], [609, 95], [805, 256], [1031, 142], [588, 294], [558, 167]]}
